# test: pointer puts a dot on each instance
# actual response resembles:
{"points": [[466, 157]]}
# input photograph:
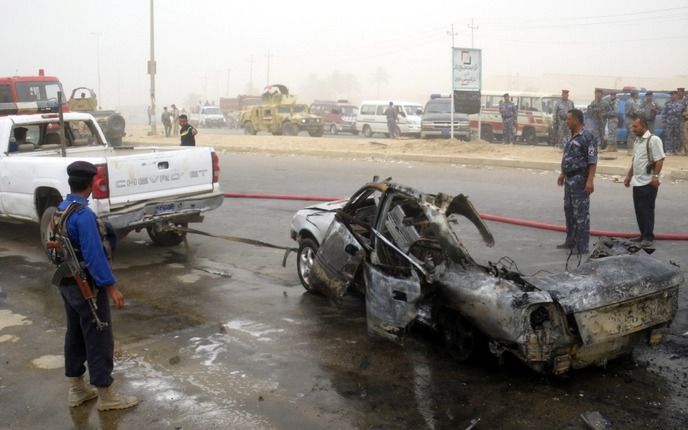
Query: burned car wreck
{"points": [[398, 248]]}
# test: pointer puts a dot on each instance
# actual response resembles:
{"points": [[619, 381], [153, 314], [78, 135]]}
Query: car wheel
{"points": [[367, 132], [529, 136], [164, 237], [317, 132], [304, 261], [289, 129], [460, 339], [333, 129], [486, 133], [355, 132], [249, 129]]}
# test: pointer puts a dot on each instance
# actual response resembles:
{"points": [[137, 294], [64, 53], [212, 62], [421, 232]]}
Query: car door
{"points": [[393, 276], [346, 243]]}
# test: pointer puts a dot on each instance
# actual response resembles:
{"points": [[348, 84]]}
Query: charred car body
{"points": [[397, 247]]}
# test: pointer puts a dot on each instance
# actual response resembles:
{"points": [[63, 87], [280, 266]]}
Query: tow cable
{"points": [[287, 250]]}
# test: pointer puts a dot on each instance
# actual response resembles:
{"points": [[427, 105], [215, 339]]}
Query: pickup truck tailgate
{"points": [[144, 176]]}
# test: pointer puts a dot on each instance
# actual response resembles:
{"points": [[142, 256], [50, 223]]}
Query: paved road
{"points": [[219, 335]]}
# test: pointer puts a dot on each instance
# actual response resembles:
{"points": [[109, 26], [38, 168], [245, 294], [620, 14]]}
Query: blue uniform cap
{"points": [[81, 169]]}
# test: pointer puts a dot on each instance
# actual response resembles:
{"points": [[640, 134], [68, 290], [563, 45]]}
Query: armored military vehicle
{"points": [[110, 121], [280, 115]]}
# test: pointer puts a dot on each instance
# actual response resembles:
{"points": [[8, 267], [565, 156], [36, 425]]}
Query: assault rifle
{"points": [[71, 266]]}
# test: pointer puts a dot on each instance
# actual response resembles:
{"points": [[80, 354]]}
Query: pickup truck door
{"points": [[346, 244]]}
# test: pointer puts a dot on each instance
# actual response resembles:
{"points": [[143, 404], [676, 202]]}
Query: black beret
{"points": [[506, 95], [81, 169]]}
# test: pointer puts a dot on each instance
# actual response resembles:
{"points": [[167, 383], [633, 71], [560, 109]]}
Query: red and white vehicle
{"points": [[30, 94], [534, 121]]}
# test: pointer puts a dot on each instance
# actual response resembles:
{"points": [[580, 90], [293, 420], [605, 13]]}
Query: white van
{"points": [[372, 119]]}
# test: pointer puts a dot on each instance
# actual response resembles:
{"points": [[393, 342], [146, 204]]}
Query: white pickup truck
{"points": [[208, 116], [135, 188]]}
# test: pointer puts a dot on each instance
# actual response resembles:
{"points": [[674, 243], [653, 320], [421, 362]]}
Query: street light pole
{"points": [[151, 69]]}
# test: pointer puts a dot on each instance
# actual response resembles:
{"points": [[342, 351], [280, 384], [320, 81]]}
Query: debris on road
{"points": [[595, 421], [474, 422]]}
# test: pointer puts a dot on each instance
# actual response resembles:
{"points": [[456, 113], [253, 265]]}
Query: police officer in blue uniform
{"points": [[84, 341], [509, 113], [578, 166]]}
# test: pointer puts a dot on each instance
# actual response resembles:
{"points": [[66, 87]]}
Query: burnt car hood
{"points": [[607, 281]]}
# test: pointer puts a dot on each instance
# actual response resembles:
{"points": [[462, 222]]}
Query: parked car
{"points": [[372, 118], [398, 247], [337, 116], [208, 116], [437, 120]]}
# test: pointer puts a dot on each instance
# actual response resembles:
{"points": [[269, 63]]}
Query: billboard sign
{"points": [[466, 69]]}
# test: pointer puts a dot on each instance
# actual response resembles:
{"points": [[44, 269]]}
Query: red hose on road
{"points": [[489, 217]]}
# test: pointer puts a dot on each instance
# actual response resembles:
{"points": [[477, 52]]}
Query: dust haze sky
{"points": [[197, 42]]}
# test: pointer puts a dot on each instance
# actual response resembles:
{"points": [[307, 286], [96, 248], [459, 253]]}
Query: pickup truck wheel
{"points": [[46, 231], [333, 129], [367, 131], [304, 261], [162, 237]]}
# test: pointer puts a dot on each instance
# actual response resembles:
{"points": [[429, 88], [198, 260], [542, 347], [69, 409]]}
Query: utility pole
{"points": [[268, 82], [250, 74], [451, 118], [151, 69], [473, 28]]}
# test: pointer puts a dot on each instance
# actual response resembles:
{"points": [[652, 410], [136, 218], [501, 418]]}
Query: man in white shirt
{"points": [[648, 158]]}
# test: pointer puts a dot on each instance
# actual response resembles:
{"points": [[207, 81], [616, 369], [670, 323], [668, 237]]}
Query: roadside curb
{"points": [[445, 159]]}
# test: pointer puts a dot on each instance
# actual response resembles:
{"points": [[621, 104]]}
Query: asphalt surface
{"points": [[220, 335]]}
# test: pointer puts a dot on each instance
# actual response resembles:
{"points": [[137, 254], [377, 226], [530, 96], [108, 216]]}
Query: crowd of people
{"points": [[604, 115]]}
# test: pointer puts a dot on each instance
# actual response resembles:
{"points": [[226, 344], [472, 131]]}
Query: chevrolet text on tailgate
{"points": [[158, 189]]}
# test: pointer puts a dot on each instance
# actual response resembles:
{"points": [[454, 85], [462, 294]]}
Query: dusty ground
{"points": [[427, 150]]}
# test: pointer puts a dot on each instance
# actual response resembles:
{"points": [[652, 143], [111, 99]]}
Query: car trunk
{"points": [[616, 296], [144, 175]]}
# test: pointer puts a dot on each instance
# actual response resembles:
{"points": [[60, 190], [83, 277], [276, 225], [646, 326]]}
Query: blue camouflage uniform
{"points": [[649, 110], [509, 115], [83, 342], [597, 110], [672, 118], [632, 109], [612, 116], [562, 132], [579, 153]]}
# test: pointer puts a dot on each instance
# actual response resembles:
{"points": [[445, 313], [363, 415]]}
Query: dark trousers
{"points": [[392, 128], [577, 212], [84, 343], [644, 203]]}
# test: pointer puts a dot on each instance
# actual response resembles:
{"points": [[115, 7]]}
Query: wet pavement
{"points": [[218, 335]]}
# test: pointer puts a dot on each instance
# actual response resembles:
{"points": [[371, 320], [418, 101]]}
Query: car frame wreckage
{"points": [[396, 246]]}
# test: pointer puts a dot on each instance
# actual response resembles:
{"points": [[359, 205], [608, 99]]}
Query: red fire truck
{"points": [[30, 94]]}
